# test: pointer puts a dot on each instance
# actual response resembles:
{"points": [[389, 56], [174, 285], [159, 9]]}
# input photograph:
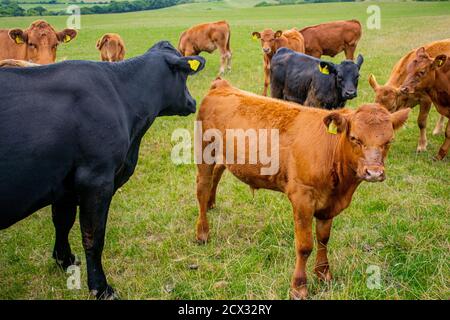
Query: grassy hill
{"points": [[400, 225]]}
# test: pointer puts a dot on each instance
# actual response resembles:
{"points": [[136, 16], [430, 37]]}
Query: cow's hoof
{"points": [[202, 238], [437, 131], [299, 293], [324, 275], [211, 205], [107, 294], [422, 148], [65, 263]]}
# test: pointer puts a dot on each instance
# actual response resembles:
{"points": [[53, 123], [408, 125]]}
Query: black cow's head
{"points": [[178, 100], [347, 75]]}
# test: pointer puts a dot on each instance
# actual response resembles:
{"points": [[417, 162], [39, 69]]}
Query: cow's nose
{"points": [[374, 175], [350, 94], [266, 50]]}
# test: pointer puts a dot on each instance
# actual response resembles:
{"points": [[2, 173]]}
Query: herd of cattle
{"points": [[71, 142]]}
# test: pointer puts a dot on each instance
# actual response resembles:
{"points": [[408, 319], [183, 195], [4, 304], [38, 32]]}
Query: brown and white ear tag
{"points": [[332, 128], [194, 64]]}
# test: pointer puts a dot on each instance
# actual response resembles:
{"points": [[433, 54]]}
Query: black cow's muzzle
{"points": [[350, 94]]}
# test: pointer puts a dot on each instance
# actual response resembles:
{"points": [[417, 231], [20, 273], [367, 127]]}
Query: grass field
{"points": [[400, 225]]}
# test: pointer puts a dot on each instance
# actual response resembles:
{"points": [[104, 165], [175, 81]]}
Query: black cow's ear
{"points": [[18, 36], [327, 67], [359, 61], [190, 64], [335, 123]]}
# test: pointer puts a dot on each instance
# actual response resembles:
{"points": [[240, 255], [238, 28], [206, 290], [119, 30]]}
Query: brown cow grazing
{"points": [[319, 169], [111, 47], [37, 43], [431, 75], [208, 37], [332, 38], [272, 41], [389, 94]]}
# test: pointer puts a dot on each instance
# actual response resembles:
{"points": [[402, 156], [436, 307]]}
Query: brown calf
{"points": [[208, 37], [111, 47], [272, 41], [319, 168], [389, 94], [36, 44], [431, 76], [331, 38]]}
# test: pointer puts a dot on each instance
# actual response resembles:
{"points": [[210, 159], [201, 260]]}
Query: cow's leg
{"points": [[63, 213], [303, 216], [422, 123], [223, 60], [204, 185], [439, 126], [266, 74], [446, 145], [322, 268], [349, 51], [229, 56], [95, 198], [217, 174], [316, 54]]}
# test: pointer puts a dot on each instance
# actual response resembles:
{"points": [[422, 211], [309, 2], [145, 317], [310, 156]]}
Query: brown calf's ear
{"points": [[421, 52], [439, 61], [335, 123], [399, 118], [66, 35], [256, 35], [373, 82], [18, 36], [101, 42], [278, 33]]}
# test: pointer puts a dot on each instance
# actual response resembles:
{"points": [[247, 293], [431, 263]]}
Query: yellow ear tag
{"points": [[194, 64], [254, 37], [440, 63], [332, 128], [19, 40], [67, 38], [324, 70]]}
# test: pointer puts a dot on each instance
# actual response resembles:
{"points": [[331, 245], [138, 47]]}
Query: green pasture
{"points": [[400, 225]]}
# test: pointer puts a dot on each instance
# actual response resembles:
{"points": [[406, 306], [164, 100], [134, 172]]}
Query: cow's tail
{"points": [[229, 38]]}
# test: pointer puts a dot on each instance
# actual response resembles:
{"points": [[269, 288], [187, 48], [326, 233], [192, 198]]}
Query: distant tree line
{"points": [[9, 8]]}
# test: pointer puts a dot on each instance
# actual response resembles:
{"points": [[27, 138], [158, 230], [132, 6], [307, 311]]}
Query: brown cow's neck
{"points": [[343, 174]]}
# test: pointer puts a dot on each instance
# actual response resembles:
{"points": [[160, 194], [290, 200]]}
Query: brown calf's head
{"points": [[421, 71], [41, 41], [366, 136], [268, 39], [112, 47], [386, 95]]}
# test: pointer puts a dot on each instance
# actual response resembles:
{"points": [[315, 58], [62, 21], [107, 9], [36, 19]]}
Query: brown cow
{"points": [[111, 47], [319, 169], [432, 76], [389, 94], [36, 44], [272, 41], [331, 38], [208, 37]]}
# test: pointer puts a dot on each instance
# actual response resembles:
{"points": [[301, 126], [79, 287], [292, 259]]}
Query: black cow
{"points": [[313, 82], [70, 135]]}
